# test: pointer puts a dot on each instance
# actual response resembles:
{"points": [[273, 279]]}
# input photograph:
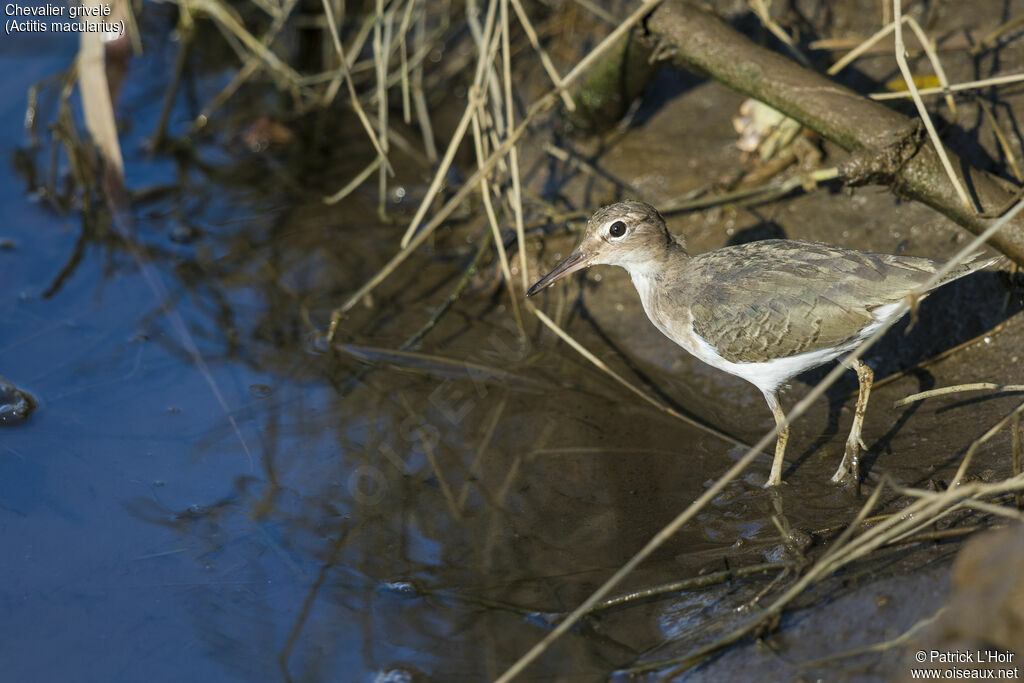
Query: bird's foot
{"points": [[848, 472]]}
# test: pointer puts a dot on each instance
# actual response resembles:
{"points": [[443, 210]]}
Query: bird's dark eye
{"points": [[617, 229]]}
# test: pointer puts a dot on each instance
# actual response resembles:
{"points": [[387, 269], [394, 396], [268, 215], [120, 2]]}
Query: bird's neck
{"points": [[649, 275], [660, 262]]}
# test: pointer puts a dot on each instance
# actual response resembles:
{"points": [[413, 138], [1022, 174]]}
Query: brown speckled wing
{"points": [[779, 298]]}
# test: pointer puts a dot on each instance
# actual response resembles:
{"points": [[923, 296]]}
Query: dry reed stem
{"points": [[96, 104], [241, 76], [492, 218], [490, 83], [993, 35], [531, 34], [267, 6], [740, 465], [761, 10], [935, 359], [908, 77], [419, 99], [860, 49], [132, 27], [354, 183], [1017, 444], [226, 18], [922, 512], [691, 583], [457, 136], [757, 193], [956, 87], [403, 50], [513, 152], [926, 45], [976, 444], [343, 66], [597, 11], [901, 639], [346, 65], [421, 236], [381, 49], [929, 49], [975, 386]]}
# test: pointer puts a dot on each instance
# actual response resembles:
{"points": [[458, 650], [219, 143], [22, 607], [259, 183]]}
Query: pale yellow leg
{"points": [[775, 478], [849, 468]]}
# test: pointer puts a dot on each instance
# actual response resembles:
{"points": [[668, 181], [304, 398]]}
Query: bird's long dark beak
{"points": [[577, 260]]}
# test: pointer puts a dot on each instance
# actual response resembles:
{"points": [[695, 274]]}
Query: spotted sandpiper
{"points": [[764, 311]]}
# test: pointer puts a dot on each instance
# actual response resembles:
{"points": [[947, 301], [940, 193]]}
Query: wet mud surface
{"points": [[364, 511]]}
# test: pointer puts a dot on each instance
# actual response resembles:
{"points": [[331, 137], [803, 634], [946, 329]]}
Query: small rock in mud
{"points": [[15, 404]]}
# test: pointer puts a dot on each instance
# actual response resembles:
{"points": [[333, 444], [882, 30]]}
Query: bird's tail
{"points": [[974, 263]]}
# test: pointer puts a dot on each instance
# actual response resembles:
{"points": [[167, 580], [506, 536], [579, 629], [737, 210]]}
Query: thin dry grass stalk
{"points": [[956, 87], [354, 99], [926, 44], [225, 18], [251, 65], [600, 365], [975, 386], [899, 640], [513, 153], [531, 34], [482, 67], [381, 48], [990, 39], [492, 218], [764, 15], [354, 183], [908, 77]]}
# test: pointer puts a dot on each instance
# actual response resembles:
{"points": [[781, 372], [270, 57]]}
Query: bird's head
{"points": [[629, 234]]}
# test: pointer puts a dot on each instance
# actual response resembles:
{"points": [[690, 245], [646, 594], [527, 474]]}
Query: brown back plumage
{"points": [[780, 298]]}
